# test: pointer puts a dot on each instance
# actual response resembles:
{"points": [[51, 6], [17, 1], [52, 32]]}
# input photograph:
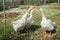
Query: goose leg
{"points": [[16, 33], [45, 35], [50, 35]]}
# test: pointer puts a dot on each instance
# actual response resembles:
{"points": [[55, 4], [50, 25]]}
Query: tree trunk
{"points": [[44, 1], [58, 1]]}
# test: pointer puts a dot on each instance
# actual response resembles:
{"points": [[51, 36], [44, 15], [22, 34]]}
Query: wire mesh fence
{"points": [[52, 11]]}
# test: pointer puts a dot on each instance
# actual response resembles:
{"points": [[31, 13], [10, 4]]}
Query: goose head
{"points": [[31, 11], [41, 9], [42, 12], [30, 7], [28, 10], [33, 8]]}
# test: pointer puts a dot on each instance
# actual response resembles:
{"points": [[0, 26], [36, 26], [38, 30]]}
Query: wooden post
{"points": [[4, 20], [44, 1]]}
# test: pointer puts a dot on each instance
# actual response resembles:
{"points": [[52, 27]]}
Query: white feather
{"points": [[30, 20], [46, 23], [20, 23]]}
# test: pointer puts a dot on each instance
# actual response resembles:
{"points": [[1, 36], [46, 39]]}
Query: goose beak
{"points": [[41, 8]]}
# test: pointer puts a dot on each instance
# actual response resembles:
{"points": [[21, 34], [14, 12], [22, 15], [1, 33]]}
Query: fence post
{"points": [[4, 20]]}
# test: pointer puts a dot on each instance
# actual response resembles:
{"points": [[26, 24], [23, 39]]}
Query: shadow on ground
{"points": [[54, 31], [10, 36], [31, 29]]}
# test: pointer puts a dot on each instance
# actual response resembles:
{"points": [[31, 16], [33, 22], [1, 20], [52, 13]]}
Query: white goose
{"points": [[30, 20], [20, 23], [46, 23]]}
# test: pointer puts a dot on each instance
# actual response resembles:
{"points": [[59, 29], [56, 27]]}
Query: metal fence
{"points": [[7, 29]]}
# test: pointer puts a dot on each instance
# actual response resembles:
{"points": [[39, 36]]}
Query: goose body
{"points": [[46, 23], [30, 20], [20, 23]]}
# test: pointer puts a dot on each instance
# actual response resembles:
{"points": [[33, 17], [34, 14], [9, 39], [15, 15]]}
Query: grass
{"points": [[36, 31]]}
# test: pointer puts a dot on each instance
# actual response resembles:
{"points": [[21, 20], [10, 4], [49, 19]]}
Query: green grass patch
{"points": [[52, 14]]}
